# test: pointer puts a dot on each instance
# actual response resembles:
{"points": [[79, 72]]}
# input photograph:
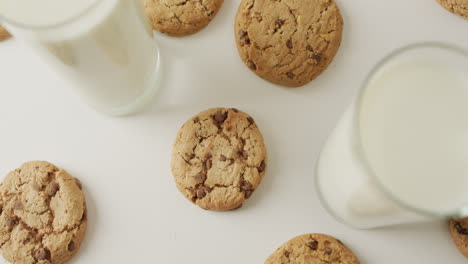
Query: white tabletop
{"points": [[136, 214]]}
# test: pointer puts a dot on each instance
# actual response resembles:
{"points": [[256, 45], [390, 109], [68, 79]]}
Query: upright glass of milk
{"points": [[105, 48], [400, 152]]}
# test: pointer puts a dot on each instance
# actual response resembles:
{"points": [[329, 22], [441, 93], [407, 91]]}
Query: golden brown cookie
{"points": [[313, 249], [459, 7], [42, 215], [219, 159], [288, 42], [181, 17], [459, 232], [4, 34]]}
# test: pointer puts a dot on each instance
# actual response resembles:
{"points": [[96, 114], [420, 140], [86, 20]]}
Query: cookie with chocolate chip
{"points": [[459, 231], [42, 215], [4, 34], [288, 42], [313, 248], [219, 159], [181, 17], [459, 7]]}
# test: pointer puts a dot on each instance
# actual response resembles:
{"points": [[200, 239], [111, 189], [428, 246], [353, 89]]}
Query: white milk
{"points": [[104, 47], [412, 130]]}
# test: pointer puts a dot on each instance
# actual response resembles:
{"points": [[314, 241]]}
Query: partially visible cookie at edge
{"points": [[313, 248], [459, 7], [459, 231], [219, 159], [4, 34], [288, 42], [43, 215], [181, 17]]}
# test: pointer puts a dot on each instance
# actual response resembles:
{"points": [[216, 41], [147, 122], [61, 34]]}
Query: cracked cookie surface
{"points": [[459, 231], [459, 7], [313, 249], [4, 34], [42, 215], [181, 17], [288, 42], [219, 159]]}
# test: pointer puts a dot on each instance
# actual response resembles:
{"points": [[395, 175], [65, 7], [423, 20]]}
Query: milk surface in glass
{"points": [[104, 47], [403, 144]]}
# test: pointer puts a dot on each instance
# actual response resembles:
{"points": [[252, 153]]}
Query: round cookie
{"points": [[4, 34], [459, 232], [181, 17], [42, 215], [459, 7], [288, 42], [313, 248], [219, 159]]}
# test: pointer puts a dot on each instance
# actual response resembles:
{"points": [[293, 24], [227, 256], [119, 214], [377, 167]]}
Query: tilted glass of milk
{"points": [[400, 152], [105, 48]]}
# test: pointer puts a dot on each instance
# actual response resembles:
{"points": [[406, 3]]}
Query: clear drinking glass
{"points": [[400, 152], [104, 48]]}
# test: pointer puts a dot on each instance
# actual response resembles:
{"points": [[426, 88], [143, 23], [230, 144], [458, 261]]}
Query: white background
{"points": [[136, 214]]}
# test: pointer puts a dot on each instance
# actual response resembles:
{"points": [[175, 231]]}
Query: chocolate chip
{"points": [[51, 175], [251, 120], [242, 34], [71, 246], [222, 158], [200, 177], [1, 209], [209, 164], [245, 155], [258, 16], [460, 229], [309, 48], [317, 57], [38, 237], [189, 156], [202, 191], [279, 22], [235, 110], [244, 37], [339, 241], [18, 205], [289, 44], [328, 251], [219, 117], [41, 254], [290, 75], [247, 188], [312, 245], [10, 221], [286, 254], [52, 188], [252, 65], [262, 167], [196, 119], [78, 183]]}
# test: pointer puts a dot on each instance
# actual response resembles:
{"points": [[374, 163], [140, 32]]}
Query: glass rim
{"points": [[356, 121], [52, 25]]}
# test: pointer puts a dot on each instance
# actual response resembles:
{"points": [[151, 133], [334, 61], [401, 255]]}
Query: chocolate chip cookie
{"points": [[219, 159], [459, 232], [288, 42], [181, 17], [459, 7], [4, 34], [313, 248], [42, 215]]}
